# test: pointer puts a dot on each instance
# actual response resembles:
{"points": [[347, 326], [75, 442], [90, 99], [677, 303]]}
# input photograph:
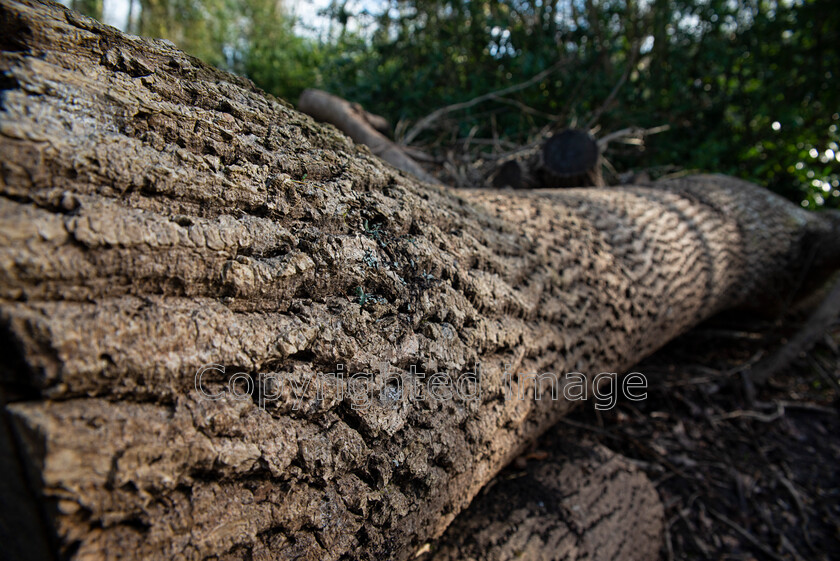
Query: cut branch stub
{"points": [[571, 159]]}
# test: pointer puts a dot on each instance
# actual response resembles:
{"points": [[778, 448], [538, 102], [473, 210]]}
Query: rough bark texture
{"points": [[581, 501], [154, 218]]}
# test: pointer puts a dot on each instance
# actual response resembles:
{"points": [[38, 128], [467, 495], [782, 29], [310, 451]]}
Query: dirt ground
{"points": [[738, 480]]}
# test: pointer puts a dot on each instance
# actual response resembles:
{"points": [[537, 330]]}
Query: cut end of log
{"points": [[571, 158], [571, 152]]}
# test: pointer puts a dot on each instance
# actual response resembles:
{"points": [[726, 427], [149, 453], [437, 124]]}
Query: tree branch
{"points": [[434, 116]]}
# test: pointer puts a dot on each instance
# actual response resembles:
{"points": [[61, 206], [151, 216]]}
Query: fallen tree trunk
{"points": [[158, 216], [578, 501]]}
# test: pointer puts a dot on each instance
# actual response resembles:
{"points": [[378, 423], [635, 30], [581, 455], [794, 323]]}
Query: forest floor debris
{"points": [[738, 481]]}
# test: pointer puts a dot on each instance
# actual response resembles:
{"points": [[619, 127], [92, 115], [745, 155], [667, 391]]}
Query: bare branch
{"points": [[630, 64], [636, 133], [429, 119]]}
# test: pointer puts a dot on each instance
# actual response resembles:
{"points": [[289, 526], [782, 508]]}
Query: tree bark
{"points": [[579, 501], [158, 216]]}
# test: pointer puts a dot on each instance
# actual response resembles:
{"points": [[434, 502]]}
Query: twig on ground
{"points": [[789, 547], [807, 406], [814, 328], [746, 535], [762, 417], [699, 543], [824, 374], [780, 407], [800, 505], [669, 547]]}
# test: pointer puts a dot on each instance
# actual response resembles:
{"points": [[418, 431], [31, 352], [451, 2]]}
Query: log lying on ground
{"points": [[158, 216], [570, 158], [361, 126], [581, 501]]}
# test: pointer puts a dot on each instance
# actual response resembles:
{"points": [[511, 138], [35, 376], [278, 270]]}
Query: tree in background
{"points": [[249, 37], [93, 8], [748, 87], [209, 29], [276, 59]]}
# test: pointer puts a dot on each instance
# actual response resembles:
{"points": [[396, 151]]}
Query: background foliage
{"points": [[748, 87]]}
